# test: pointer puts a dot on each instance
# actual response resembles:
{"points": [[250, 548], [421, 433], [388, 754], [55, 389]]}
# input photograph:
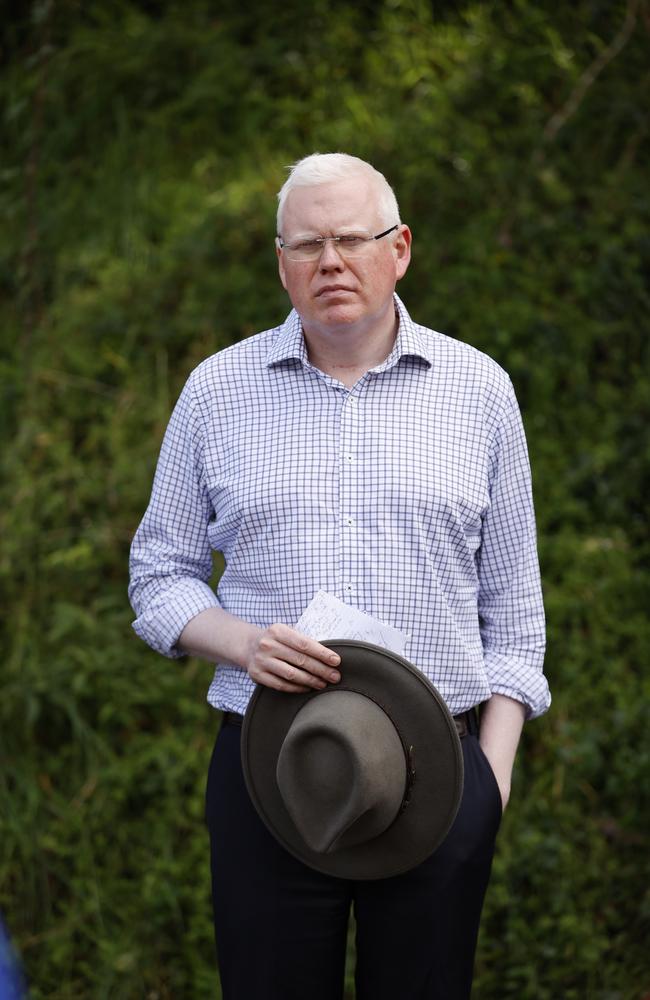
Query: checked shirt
{"points": [[407, 496]]}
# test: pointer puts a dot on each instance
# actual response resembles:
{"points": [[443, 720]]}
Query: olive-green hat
{"points": [[363, 779]]}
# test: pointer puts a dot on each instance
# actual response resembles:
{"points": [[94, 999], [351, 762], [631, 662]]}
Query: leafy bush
{"points": [[144, 144]]}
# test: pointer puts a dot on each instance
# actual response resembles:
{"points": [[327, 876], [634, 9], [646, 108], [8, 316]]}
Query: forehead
{"points": [[327, 208]]}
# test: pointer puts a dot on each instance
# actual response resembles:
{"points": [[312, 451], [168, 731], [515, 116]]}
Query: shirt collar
{"points": [[289, 343], [411, 341]]}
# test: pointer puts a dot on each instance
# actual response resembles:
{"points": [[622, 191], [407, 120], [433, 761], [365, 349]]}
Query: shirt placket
{"points": [[349, 507]]}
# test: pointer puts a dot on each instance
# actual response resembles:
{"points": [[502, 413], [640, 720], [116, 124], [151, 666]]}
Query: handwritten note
{"points": [[328, 618]]}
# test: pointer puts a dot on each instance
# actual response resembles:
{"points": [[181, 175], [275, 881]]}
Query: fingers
{"points": [[296, 655], [276, 681], [283, 676], [289, 661]]}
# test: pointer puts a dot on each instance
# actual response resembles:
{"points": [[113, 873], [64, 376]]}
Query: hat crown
{"points": [[341, 771]]}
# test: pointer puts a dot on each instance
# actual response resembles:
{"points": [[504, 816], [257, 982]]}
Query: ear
{"points": [[281, 270], [402, 250]]}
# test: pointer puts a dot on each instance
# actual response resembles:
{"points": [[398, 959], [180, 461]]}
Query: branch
{"points": [[559, 119], [590, 75]]}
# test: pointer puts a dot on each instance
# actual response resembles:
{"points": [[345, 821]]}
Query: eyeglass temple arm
{"points": [[386, 232]]}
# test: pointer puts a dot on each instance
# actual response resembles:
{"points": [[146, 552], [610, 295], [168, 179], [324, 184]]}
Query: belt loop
{"points": [[466, 722], [232, 719], [472, 721]]}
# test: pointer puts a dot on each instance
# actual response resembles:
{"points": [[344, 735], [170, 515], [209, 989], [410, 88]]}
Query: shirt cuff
{"points": [[165, 618], [520, 681]]}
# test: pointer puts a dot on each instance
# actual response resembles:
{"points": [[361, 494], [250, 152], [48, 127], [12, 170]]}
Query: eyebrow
{"points": [[334, 232]]}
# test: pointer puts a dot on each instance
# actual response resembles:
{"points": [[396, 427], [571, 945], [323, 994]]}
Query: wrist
{"points": [[249, 645]]}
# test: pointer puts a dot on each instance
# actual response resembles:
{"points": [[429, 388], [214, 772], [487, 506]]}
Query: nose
{"points": [[330, 259]]}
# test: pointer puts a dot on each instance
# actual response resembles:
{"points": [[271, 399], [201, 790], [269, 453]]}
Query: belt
{"points": [[465, 722]]}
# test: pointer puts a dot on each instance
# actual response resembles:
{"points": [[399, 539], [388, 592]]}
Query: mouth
{"points": [[332, 290]]}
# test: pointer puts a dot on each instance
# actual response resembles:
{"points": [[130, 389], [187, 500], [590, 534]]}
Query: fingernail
{"points": [[335, 658], [334, 676]]}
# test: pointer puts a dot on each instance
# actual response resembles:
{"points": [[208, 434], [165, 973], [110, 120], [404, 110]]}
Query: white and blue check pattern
{"points": [[407, 497]]}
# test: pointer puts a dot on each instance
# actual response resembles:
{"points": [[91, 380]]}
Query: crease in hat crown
{"points": [[342, 771]]}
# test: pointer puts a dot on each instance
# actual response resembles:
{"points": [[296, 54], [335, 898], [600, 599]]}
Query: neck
{"points": [[347, 353]]}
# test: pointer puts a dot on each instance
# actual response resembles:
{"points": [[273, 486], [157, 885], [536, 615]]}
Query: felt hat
{"points": [[363, 779]]}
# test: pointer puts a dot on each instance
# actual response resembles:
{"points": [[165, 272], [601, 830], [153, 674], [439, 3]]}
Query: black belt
{"points": [[465, 722]]}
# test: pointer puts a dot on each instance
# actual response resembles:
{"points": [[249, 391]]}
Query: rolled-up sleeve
{"points": [[171, 558], [510, 605]]}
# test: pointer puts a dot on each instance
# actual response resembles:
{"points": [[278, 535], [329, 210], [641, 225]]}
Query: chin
{"points": [[340, 316]]}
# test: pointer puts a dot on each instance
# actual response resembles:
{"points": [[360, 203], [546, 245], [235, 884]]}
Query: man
{"points": [[352, 451]]}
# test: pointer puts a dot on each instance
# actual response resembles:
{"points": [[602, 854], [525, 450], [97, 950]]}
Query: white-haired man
{"points": [[347, 450]]}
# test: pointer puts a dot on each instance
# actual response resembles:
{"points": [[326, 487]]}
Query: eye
{"points": [[305, 245], [352, 240]]}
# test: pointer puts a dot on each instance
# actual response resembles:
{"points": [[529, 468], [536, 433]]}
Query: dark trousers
{"points": [[281, 928]]}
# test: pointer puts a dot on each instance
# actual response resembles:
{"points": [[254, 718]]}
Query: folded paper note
{"points": [[325, 617]]}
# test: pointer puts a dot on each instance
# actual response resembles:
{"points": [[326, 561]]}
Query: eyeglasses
{"points": [[347, 245]]}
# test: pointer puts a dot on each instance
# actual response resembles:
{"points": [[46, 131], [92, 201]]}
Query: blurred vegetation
{"points": [[143, 143]]}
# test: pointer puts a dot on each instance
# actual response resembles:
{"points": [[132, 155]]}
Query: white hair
{"points": [[324, 168]]}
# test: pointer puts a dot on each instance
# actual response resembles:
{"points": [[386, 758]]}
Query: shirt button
{"points": [[348, 588], [349, 521], [349, 458]]}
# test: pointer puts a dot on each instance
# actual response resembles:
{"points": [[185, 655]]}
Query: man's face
{"points": [[335, 293]]}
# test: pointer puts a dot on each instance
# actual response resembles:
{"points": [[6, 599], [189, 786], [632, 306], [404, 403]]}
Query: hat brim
{"points": [[428, 734]]}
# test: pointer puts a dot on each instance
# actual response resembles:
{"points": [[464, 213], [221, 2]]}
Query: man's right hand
{"points": [[287, 660], [278, 656]]}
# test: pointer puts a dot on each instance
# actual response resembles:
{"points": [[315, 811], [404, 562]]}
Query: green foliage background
{"points": [[143, 146]]}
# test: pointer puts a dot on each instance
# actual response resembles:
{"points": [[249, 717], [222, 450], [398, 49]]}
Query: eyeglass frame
{"points": [[323, 240]]}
